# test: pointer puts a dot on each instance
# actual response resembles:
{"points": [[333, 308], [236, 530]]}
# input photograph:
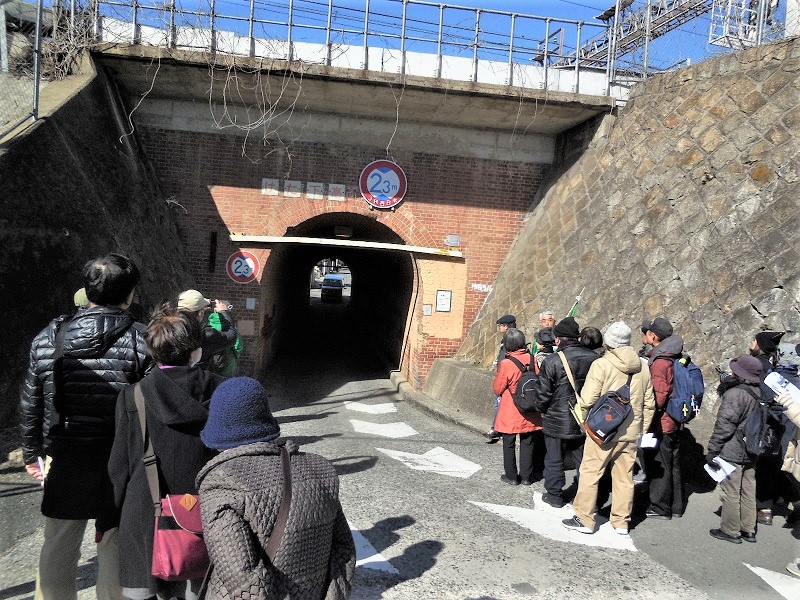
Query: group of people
{"points": [[576, 366], [211, 435]]}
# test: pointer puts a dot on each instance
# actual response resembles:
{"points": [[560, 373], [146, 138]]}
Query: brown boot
{"points": [[764, 516]]}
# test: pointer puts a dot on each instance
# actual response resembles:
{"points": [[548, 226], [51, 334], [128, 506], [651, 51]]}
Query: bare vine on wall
{"points": [[257, 99], [65, 35]]}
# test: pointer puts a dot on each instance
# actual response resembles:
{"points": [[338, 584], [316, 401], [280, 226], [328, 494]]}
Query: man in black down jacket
{"points": [[554, 395], [67, 409]]}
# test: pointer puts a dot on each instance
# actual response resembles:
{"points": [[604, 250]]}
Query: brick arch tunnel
{"points": [[365, 332]]}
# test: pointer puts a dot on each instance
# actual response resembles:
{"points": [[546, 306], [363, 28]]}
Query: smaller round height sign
{"points": [[383, 184], [243, 267]]}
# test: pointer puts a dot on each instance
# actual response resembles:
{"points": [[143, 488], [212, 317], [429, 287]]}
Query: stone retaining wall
{"points": [[685, 205]]}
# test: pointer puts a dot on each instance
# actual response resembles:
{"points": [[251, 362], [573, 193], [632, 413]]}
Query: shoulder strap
{"points": [[747, 389], [568, 370], [517, 362], [283, 513], [149, 458], [58, 362]]}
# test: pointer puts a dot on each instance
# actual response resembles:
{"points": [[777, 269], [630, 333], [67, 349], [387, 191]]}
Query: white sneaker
{"points": [[621, 530], [794, 567]]}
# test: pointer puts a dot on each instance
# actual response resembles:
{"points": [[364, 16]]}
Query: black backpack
{"points": [[525, 394], [762, 432]]}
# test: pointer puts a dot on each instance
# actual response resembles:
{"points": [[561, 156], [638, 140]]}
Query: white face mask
{"points": [[195, 358]]}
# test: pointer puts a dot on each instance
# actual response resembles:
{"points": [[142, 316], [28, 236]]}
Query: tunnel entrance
{"points": [[365, 332]]}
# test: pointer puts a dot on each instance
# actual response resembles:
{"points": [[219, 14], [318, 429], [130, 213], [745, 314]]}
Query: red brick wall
{"points": [[483, 201]]}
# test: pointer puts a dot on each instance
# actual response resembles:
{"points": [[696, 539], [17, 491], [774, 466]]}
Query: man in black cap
{"points": [[563, 436], [764, 346], [504, 323], [663, 463]]}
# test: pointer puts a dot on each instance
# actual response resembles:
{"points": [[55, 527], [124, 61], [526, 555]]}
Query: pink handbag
{"points": [[179, 552]]}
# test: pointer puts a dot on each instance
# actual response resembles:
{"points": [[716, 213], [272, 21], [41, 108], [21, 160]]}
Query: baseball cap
{"points": [[660, 326], [192, 300], [80, 300]]}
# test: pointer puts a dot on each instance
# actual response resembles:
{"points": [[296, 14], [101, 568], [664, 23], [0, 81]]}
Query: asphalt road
{"points": [[446, 537]]}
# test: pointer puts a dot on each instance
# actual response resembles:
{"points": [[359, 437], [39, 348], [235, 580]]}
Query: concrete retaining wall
{"points": [[74, 187]]}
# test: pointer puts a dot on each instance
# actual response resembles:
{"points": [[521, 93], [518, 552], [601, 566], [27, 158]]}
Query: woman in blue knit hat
{"points": [[241, 492]]}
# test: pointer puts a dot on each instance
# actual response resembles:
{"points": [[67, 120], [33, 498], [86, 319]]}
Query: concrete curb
{"points": [[433, 407]]}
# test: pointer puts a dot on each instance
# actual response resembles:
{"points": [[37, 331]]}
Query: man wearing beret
{"points": [[504, 323]]}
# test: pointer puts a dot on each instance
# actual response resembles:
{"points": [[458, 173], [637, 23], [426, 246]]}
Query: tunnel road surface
{"points": [[431, 518]]}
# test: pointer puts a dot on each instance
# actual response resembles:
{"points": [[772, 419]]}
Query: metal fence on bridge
{"points": [[403, 37]]}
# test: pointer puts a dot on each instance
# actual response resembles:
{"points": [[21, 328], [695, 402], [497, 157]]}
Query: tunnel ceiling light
{"points": [[340, 231]]}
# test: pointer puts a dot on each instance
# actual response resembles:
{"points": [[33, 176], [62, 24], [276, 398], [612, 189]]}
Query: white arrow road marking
{"points": [[546, 521], [390, 430], [437, 460], [367, 556], [787, 586], [373, 409]]}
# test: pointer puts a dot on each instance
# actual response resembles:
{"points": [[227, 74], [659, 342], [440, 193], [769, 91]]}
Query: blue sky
{"points": [[688, 43]]}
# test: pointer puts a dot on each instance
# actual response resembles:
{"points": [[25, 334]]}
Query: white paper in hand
{"points": [[648, 440], [780, 385], [725, 470]]}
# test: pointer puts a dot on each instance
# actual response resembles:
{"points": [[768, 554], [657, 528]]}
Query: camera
{"points": [[213, 304]]}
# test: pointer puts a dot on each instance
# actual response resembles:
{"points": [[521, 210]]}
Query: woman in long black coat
{"points": [[177, 395]]}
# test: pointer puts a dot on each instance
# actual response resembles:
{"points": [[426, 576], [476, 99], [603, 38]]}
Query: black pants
{"points": [[772, 483], [525, 455], [663, 467], [539, 451], [557, 451]]}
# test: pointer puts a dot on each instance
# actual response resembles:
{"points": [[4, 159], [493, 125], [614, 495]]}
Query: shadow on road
{"points": [[347, 465], [86, 576]]}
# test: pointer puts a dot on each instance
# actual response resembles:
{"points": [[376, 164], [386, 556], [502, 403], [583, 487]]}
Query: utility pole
{"points": [[3, 40], [792, 18]]}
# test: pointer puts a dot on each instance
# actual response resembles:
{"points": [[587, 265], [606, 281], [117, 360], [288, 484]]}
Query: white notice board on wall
{"points": [[444, 299]]}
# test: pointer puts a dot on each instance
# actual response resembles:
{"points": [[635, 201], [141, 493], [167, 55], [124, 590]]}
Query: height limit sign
{"points": [[383, 184], [243, 267]]}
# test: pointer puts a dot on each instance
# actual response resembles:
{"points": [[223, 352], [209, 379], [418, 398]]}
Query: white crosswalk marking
{"points": [[367, 556], [437, 460], [786, 585], [546, 521], [372, 409], [389, 430]]}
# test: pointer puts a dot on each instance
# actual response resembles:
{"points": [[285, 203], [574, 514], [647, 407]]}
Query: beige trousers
{"points": [[620, 457], [58, 562]]}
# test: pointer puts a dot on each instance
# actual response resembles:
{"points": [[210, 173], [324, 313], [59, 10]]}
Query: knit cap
{"points": [[567, 328], [768, 340], [617, 334], [239, 414]]}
